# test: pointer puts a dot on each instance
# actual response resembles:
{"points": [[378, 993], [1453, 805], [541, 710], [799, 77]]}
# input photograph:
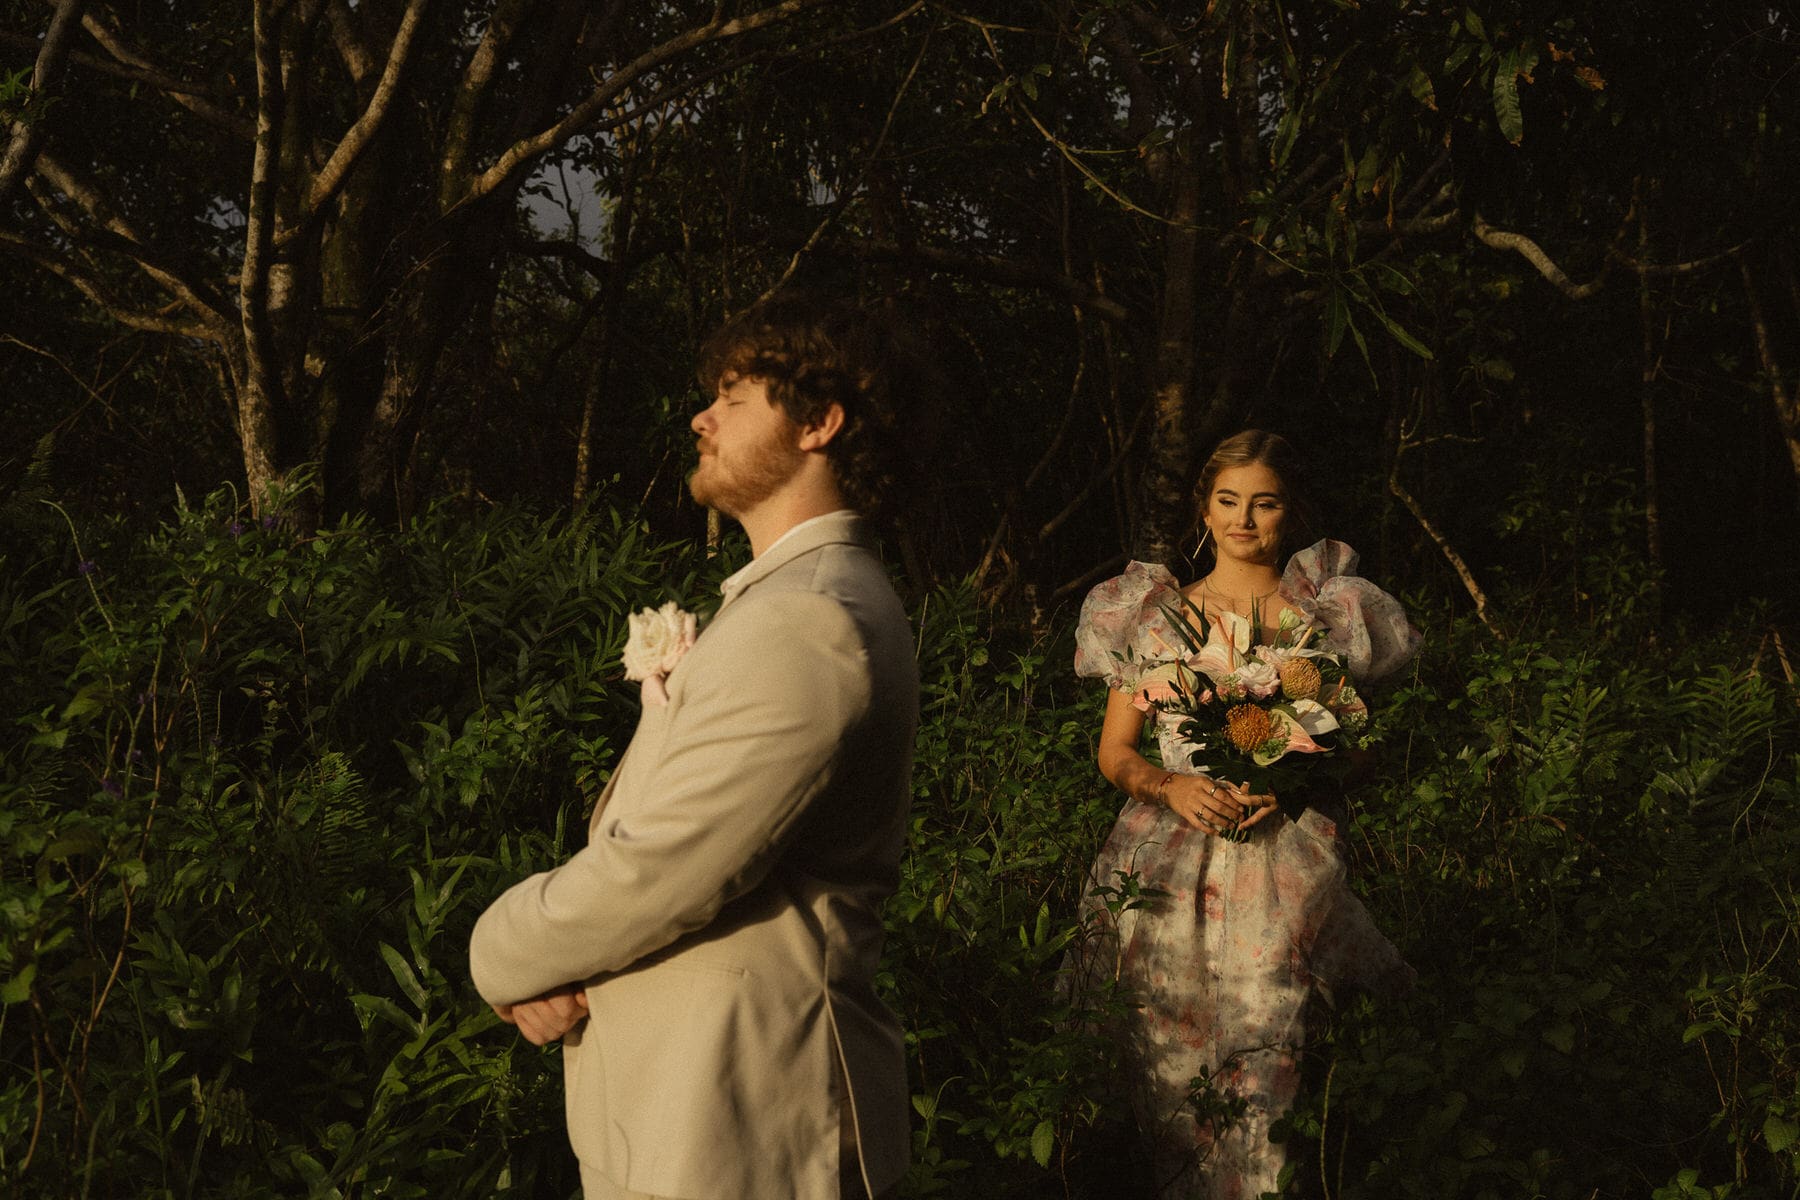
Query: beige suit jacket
{"points": [[725, 913]]}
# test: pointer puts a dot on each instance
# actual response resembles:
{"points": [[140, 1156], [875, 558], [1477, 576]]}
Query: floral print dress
{"points": [[1222, 965]]}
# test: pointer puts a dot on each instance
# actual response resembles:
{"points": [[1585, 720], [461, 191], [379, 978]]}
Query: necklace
{"points": [[1252, 601]]}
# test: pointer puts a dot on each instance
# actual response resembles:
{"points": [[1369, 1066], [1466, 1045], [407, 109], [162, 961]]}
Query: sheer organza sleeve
{"points": [[1362, 623], [1122, 630]]}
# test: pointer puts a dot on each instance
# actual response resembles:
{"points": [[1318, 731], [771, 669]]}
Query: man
{"points": [[707, 959]]}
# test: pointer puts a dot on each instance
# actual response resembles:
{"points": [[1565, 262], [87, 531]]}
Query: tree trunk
{"points": [[1649, 368], [1787, 409], [258, 378], [1167, 479], [612, 300]]}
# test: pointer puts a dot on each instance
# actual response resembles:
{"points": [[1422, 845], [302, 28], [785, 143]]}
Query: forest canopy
{"points": [[1489, 264]]}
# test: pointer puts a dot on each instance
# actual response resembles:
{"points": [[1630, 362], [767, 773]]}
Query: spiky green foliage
{"points": [[261, 784], [257, 785]]}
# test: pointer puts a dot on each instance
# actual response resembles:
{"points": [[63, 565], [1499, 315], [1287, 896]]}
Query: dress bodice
{"points": [[1125, 630]]}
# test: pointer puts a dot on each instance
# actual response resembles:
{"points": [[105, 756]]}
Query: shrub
{"points": [[263, 785], [260, 784]]}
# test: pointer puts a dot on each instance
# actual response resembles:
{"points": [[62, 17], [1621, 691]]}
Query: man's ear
{"points": [[818, 435]]}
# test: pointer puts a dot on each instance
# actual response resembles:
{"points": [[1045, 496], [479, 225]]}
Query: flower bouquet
{"points": [[1265, 714]]}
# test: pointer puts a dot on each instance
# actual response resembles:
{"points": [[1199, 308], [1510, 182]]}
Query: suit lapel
{"points": [[844, 526]]}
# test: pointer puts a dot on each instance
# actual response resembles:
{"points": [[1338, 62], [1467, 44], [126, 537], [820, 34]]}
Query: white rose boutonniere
{"points": [[658, 639]]}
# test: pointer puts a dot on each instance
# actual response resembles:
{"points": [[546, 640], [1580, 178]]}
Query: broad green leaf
{"points": [[368, 1007], [1506, 98], [1043, 1143], [18, 989], [1286, 131], [1419, 84], [1779, 1133], [1362, 344], [1400, 334], [403, 974], [1337, 318]]}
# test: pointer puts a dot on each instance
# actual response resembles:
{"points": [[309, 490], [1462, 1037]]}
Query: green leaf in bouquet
{"points": [[1195, 638]]}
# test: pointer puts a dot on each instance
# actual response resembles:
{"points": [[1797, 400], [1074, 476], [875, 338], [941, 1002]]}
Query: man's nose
{"points": [[702, 420]]}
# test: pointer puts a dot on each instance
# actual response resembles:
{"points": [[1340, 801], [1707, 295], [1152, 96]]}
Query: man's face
{"points": [[747, 446]]}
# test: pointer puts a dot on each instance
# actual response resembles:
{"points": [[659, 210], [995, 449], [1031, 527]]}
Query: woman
{"points": [[1223, 962]]}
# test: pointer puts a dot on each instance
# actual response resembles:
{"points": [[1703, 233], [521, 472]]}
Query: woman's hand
{"points": [[1260, 804], [1216, 806]]}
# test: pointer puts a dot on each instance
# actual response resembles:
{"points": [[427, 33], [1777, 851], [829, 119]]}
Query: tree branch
{"points": [[1534, 254], [331, 178], [1500, 239], [1443, 544], [1118, 460], [1140, 89], [516, 156], [477, 77], [1037, 471], [1787, 410], [1437, 167], [862, 175], [186, 95], [1421, 225], [1679, 268], [96, 291], [348, 38], [28, 136], [569, 251], [127, 239]]}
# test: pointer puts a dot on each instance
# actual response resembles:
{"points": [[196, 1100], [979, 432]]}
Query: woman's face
{"points": [[1245, 512]]}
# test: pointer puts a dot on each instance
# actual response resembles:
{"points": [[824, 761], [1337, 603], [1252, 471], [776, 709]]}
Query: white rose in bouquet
{"points": [[1257, 678]]}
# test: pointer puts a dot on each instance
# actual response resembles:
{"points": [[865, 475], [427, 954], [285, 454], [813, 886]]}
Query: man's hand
{"points": [[549, 1016]]}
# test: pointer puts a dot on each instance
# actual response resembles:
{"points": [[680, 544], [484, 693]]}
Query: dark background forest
{"points": [[346, 353]]}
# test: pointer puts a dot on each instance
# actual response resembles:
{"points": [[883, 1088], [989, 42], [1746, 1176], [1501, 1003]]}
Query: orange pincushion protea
{"points": [[1248, 727], [1300, 679]]}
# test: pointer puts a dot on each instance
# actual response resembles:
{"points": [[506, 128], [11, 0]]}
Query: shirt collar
{"points": [[734, 582]]}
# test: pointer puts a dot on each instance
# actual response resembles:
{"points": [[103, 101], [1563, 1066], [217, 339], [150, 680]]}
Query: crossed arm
{"points": [[547, 1018], [748, 747]]}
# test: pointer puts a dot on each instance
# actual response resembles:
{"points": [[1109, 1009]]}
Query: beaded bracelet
{"points": [[1162, 789]]}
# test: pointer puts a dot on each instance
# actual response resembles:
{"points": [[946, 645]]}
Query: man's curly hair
{"points": [[813, 350]]}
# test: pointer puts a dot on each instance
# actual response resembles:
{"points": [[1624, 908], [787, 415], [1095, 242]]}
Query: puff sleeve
{"points": [[1362, 623], [1122, 630]]}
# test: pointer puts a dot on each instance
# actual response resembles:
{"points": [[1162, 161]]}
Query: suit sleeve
{"points": [[752, 742]]}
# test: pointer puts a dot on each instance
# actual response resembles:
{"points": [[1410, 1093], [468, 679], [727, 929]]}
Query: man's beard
{"points": [[737, 487]]}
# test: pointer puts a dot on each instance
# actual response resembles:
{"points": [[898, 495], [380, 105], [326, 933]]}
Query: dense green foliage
{"points": [[257, 785]]}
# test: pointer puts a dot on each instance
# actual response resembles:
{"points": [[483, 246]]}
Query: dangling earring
{"points": [[1205, 532]]}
